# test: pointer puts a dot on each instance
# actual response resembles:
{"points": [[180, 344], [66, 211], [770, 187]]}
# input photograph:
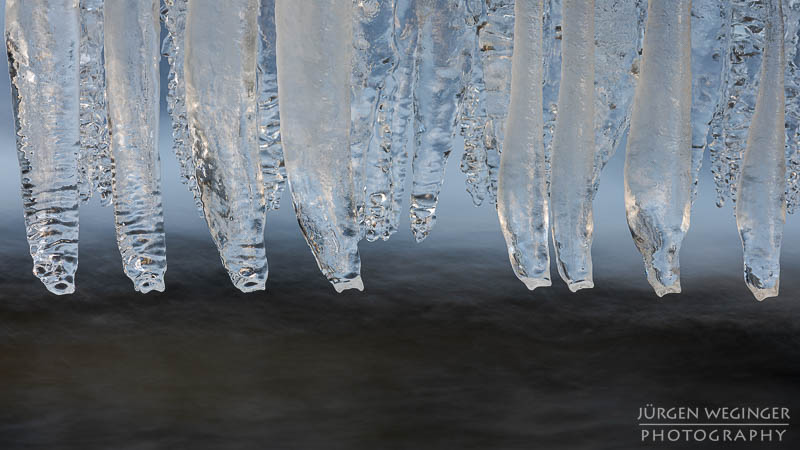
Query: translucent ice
{"points": [[222, 106], [761, 206], [552, 74], [273, 170], [314, 69], [43, 44], [573, 155], [522, 193], [442, 49], [658, 164], [791, 26]]}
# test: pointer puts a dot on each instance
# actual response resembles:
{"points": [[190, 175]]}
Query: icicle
{"points": [[221, 99], [658, 164], [95, 157], [374, 60], [761, 203], [710, 36], [791, 21], [522, 192], [43, 41], [406, 35], [619, 29], [551, 32], [174, 16], [441, 65], [269, 125], [738, 97], [572, 158], [314, 69]]}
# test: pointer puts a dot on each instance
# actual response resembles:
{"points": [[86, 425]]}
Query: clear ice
{"points": [[658, 164], [132, 77], [791, 26], [43, 44], [573, 154], [552, 74], [522, 203], [314, 70], [761, 205], [442, 51], [273, 170], [222, 106], [95, 158]]}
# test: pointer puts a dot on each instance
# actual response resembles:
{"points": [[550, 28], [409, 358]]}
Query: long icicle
{"points": [[43, 41], [573, 155], [222, 105], [658, 164], [314, 57], [132, 57], [761, 201], [522, 204], [551, 38]]}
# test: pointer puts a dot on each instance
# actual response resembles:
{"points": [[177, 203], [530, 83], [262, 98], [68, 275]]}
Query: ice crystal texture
{"points": [[791, 26], [551, 32]]}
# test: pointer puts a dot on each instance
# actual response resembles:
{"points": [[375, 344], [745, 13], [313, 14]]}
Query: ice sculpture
{"points": [[551, 32], [222, 106], [522, 193], [761, 203], [273, 170], [791, 26], [173, 15], [442, 47], [95, 157], [43, 43], [132, 57], [573, 154], [658, 164], [314, 68]]}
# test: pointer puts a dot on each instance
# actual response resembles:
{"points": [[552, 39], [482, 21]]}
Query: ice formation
{"points": [[791, 27], [43, 44], [761, 205], [522, 203], [573, 154], [551, 35], [658, 165], [314, 69], [222, 107]]}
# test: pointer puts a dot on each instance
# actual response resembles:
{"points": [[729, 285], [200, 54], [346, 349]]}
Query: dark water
{"points": [[445, 350]]}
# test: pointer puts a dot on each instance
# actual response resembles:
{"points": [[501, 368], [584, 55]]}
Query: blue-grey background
{"points": [[445, 349]]}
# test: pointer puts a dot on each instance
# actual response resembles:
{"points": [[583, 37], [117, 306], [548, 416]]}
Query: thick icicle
{"points": [[222, 106], [132, 76], [406, 35], [658, 164], [619, 29], [374, 59], [551, 34], [273, 170], [761, 202], [314, 68], [174, 16], [522, 192], [442, 48], [95, 156], [573, 155], [791, 26], [710, 36], [43, 41]]}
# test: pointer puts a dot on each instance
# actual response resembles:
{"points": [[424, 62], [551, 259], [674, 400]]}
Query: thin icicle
{"points": [[95, 158], [791, 22], [222, 106], [761, 203], [273, 170], [658, 164], [551, 33], [132, 76], [43, 44], [173, 15], [440, 73], [573, 154], [522, 204], [314, 70]]}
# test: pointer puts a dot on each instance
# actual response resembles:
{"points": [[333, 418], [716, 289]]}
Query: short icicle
{"points": [[132, 76], [658, 164], [761, 201], [314, 67], [222, 106], [522, 204], [573, 155]]}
